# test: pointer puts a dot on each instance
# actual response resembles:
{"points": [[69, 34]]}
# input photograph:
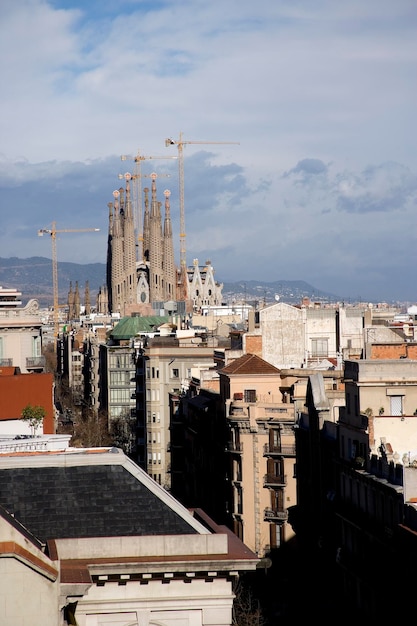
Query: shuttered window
{"points": [[396, 403]]}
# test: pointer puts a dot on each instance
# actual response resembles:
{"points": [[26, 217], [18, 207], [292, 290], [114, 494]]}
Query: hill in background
{"points": [[33, 277]]}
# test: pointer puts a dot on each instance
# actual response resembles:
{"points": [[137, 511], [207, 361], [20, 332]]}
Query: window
{"points": [[120, 395], [396, 405], [250, 395], [319, 347], [36, 346], [175, 373], [119, 360], [239, 501], [120, 377]]}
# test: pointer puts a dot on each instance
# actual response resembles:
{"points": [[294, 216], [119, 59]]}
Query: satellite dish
{"points": [[277, 297]]}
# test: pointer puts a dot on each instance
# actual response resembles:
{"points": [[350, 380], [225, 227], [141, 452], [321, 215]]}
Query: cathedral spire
{"points": [[129, 250], [156, 278], [146, 226], [168, 253], [87, 301]]}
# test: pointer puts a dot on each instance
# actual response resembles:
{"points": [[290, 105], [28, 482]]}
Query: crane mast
{"points": [[53, 232], [180, 143]]}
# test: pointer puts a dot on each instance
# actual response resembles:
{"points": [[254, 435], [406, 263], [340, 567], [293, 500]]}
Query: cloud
{"points": [[307, 167], [378, 188], [320, 100]]}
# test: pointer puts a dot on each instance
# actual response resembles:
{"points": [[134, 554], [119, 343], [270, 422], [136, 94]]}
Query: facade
{"points": [[25, 571], [141, 271], [386, 392], [20, 333], [166, 366], [16, 392], [205, 291], [302, 336], [144, 360], [356, 497], [198, 444], [132, 554], [262, 452]]}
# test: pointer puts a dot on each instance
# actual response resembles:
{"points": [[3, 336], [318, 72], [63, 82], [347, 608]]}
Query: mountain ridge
{"points": [[33, 277]]}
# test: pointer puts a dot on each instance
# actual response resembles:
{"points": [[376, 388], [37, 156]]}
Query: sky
{"points": [[297, 121]]}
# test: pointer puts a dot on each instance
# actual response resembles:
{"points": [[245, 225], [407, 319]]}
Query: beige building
{"points": [[131, 555], [20, 333], [302, 336], [170, 365], [262, 452], [386, 392]]}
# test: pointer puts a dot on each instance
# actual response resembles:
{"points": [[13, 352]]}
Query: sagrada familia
{"points": [[142, 276]]}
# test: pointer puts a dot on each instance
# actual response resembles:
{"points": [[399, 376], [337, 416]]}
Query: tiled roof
{"points": [[81, 496], [250, 364]]}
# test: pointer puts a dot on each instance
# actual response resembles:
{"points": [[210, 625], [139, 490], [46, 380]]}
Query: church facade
{"points": [[142, 276]]}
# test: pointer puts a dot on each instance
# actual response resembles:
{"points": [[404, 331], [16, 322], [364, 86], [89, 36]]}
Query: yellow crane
{"points": [[53, 232], [180, 143]]}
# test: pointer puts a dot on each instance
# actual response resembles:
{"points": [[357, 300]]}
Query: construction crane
{"points": [[180, 143], [137, 178], [53, 232]]}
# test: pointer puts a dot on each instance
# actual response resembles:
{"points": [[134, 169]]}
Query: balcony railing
{"points": [[35, 362], [279, 449], [273, 515], [272, 480], [6, 362], [234, 447]]}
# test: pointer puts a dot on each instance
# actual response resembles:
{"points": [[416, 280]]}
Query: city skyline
{"points": [[322, 186]]}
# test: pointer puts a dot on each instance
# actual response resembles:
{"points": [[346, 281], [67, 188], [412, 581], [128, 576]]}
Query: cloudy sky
{"points": [[298, 117]]}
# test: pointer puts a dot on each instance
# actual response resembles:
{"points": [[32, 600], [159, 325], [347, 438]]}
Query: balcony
{"points": [[237, 448], [279, 450], [273, 515], [238, 410], [35, 363], [272, 480], [6, 362]]}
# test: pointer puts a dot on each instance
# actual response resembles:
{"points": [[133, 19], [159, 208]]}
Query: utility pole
{"points": [[53, 232], [180, 143]]}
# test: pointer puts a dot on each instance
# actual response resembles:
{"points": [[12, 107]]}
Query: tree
{"points": [[246, 607], [33, 415]]}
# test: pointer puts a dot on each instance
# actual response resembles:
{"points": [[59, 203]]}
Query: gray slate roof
{"points": [[84, 500]]}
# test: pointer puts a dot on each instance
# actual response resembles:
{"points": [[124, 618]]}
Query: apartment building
{"points": [[385, 390], [166, 366], [20, 333], [261, 450], [356, 489]]}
